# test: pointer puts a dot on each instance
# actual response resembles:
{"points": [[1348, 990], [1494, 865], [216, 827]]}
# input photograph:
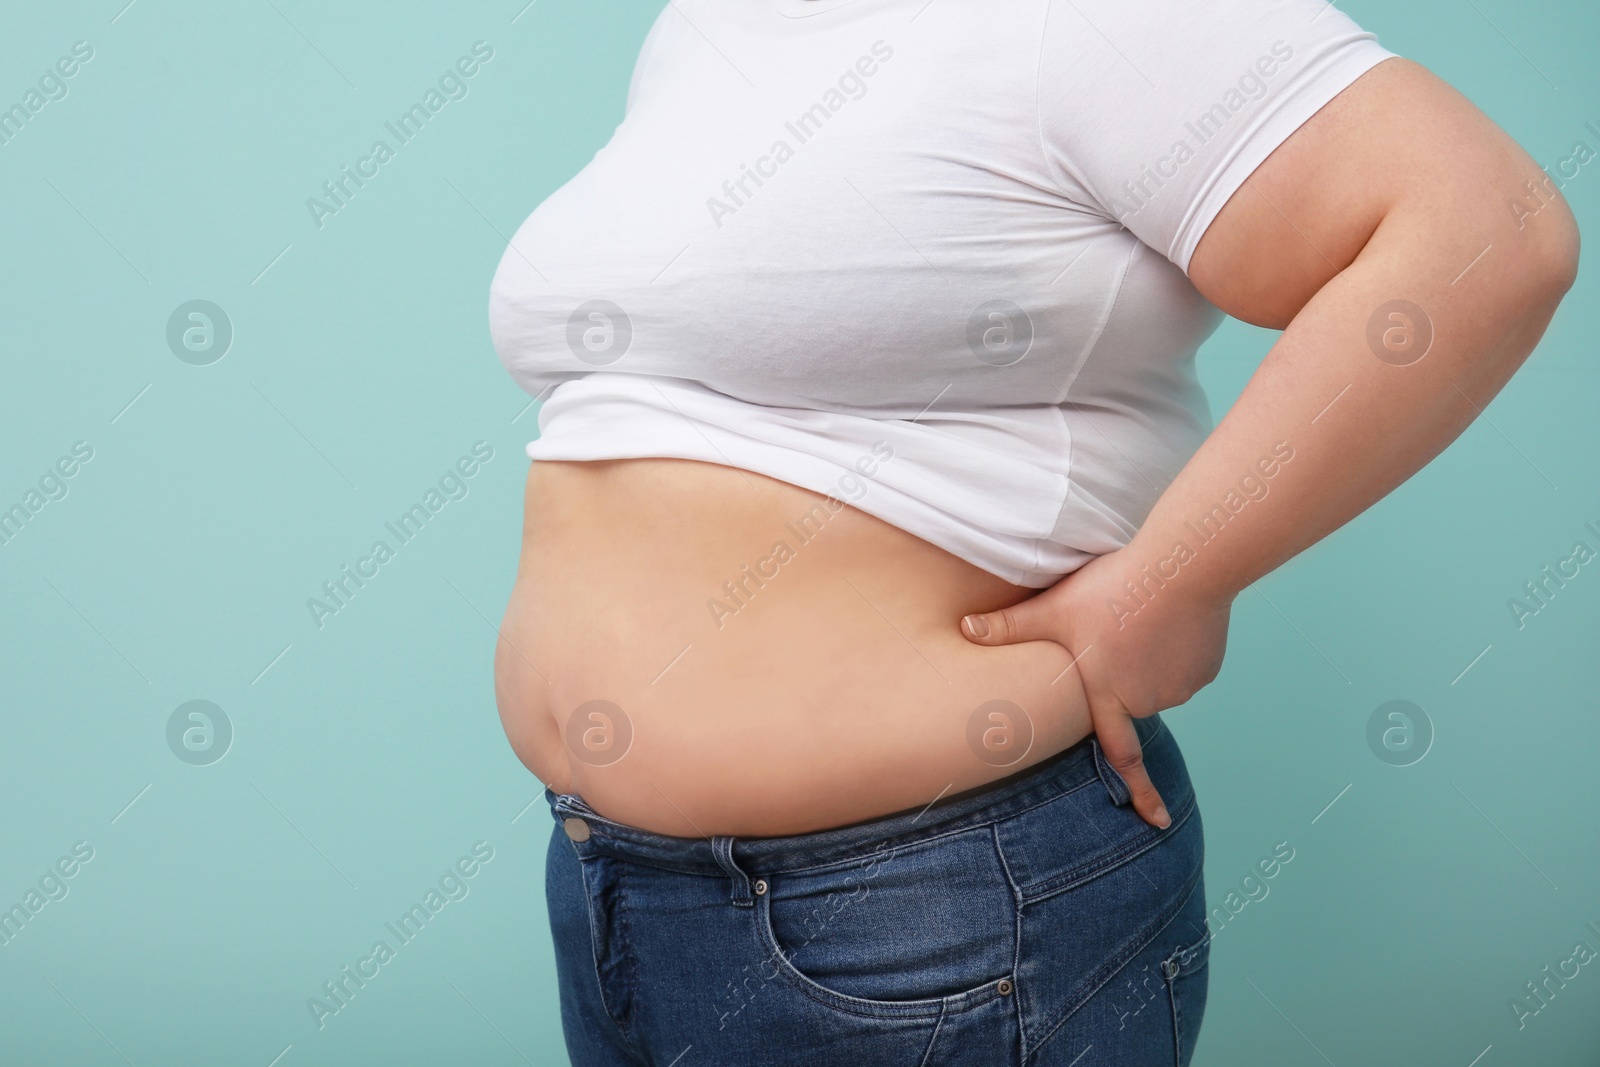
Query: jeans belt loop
{"points": [[570, 803], [1114, 783], [722, 849]]}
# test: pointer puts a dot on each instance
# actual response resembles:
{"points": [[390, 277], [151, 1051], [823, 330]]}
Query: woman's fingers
{"points": [[1120, 743], [1040, 618], [1030, 620]]}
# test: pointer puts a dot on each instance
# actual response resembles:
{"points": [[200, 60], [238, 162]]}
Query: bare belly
{"points": [[696, 650]]}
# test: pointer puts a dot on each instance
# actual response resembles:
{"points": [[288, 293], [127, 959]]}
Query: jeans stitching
{"points": [[766, 939], [1177, 1031], [1170, 980], [917, 842], [1186, 955], [629, 963], [584, 871], [976, 820], [866, 852], [1105, 863], [933, 1040], [1125, 952], [740, 887], [1016, 938]]}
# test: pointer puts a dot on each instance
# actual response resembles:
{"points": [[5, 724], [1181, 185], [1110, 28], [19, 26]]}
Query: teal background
{"points": [[367, 756]]}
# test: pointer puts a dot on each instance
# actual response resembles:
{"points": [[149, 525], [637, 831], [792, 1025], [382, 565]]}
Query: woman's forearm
{"points": [[1343, 410]]}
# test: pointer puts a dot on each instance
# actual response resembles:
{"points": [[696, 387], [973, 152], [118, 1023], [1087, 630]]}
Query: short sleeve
{"points": [[1156, 111], [643, 61]]}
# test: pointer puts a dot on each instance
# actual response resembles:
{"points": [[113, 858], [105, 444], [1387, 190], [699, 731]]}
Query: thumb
{"points": [[1030, 620]]}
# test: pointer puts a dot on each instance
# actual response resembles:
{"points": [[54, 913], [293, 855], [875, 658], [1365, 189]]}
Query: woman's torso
{"points": [[769, 665], [856, 290]]}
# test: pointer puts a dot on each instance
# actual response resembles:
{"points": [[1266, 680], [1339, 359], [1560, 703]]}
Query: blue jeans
{"points": [[1036, 921]]}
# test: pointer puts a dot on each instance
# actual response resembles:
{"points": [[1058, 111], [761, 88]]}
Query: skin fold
{"points": [[839, 691], [846, 685]]}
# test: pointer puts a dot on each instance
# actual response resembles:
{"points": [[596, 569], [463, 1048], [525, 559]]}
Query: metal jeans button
{"points": [[576, 828]]}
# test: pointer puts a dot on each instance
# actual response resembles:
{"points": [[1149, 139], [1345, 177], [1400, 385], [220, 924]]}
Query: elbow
{"points": [[1558, 245], [1533, 269], [1563, 258]]}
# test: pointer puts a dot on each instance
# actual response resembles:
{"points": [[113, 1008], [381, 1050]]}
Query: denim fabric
{"points": [[1040, 921]]}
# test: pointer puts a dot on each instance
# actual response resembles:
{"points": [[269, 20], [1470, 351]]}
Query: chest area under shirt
{"points": [[856, 230]]}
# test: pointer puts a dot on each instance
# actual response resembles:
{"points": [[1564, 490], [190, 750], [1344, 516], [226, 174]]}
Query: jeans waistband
{"points": [[1062, 773]]}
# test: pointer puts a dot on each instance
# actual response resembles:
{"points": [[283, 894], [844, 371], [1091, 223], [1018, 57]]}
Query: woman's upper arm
{"points": [[1398, 140]]}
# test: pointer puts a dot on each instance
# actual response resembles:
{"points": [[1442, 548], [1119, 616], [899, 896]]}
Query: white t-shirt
{"points": [[927, 256]]}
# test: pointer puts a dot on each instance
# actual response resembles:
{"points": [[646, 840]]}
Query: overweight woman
{"points": [[876, 511]]}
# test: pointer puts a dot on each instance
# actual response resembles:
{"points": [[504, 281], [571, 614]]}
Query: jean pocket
{"points": [[925, 929]]}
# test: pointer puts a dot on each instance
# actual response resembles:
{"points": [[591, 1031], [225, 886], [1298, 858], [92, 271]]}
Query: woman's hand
{"points": [[1136, 654]]}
